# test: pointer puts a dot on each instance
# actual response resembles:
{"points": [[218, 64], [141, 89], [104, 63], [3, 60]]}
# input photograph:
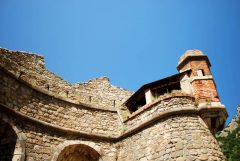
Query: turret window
{"points": [[200, 72]]}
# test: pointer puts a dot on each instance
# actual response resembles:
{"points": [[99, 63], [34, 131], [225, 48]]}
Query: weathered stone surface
{"points": [[44, 118]]}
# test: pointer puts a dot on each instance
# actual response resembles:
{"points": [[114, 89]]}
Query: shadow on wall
{"points": [[8, 139], [77, 151]]}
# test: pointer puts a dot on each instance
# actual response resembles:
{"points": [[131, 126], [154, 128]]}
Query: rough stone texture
{"points": [[31, 103], [110, 95], [30, 68], [175, 138], [170, 103], [52, 120]]}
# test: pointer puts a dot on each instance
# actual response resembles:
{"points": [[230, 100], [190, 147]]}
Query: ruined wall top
{"points": [[31, 68]]}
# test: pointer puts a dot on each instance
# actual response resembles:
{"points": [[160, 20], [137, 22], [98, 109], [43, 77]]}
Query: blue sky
{"points": [[132, 42]]}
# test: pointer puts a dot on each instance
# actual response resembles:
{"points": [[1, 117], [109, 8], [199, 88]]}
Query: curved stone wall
{"points": [[31, 68], [42, 144], [148, 112], [179, 137], [152, 131], [53, 118], [100, 93], [34, 104]]}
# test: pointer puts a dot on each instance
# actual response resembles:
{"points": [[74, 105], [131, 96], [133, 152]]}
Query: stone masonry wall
{"points": [[50, 114], [110, 96], [29, 102], [42, 143], [179, 137], [31, 68], [170, 103]]}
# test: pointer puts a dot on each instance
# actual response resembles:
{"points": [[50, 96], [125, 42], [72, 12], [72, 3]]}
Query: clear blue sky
{"points": [[132, 42]]}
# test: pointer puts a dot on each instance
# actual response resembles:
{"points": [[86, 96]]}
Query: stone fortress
{"points": [[44, 118]]}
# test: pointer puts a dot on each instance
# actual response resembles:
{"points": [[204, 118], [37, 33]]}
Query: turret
{"points": [[201, 84], [201, 79]]}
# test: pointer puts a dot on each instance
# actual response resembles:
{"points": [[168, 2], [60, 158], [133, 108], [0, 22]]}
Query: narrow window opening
{"points": [[48, 87], [200, 72], [90, 98], [67, 93], [114, 103]]}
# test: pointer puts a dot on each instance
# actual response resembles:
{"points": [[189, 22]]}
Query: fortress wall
{"points": [[163, 105], [50, 113], [107, 95], [178, 137], [31, 68], [43, 144], [29, 102]]}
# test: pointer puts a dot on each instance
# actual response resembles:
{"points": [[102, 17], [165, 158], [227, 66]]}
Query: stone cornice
{"points": [[206, 77], [43, 124], [181, 111], [165, 97], [177, 111], [53, 95]]}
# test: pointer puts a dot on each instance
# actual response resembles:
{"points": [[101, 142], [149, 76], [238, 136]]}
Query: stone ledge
{"points": [[11, 112], [206, 77], [50, 94], [165, 97], [183, 110], [32, 69]]}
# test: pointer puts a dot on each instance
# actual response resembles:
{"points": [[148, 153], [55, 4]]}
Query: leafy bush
{"points": [[230, 145]]}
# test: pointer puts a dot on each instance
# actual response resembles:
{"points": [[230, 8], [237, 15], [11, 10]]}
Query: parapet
{"points": [[31, 68], [194, 80]]}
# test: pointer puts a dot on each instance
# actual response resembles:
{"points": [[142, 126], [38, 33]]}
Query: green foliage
{"points": [[230, 145]]}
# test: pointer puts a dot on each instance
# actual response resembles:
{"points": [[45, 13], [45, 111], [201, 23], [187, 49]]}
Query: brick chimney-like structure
{"points": [[201, 79], [201, 84]]}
